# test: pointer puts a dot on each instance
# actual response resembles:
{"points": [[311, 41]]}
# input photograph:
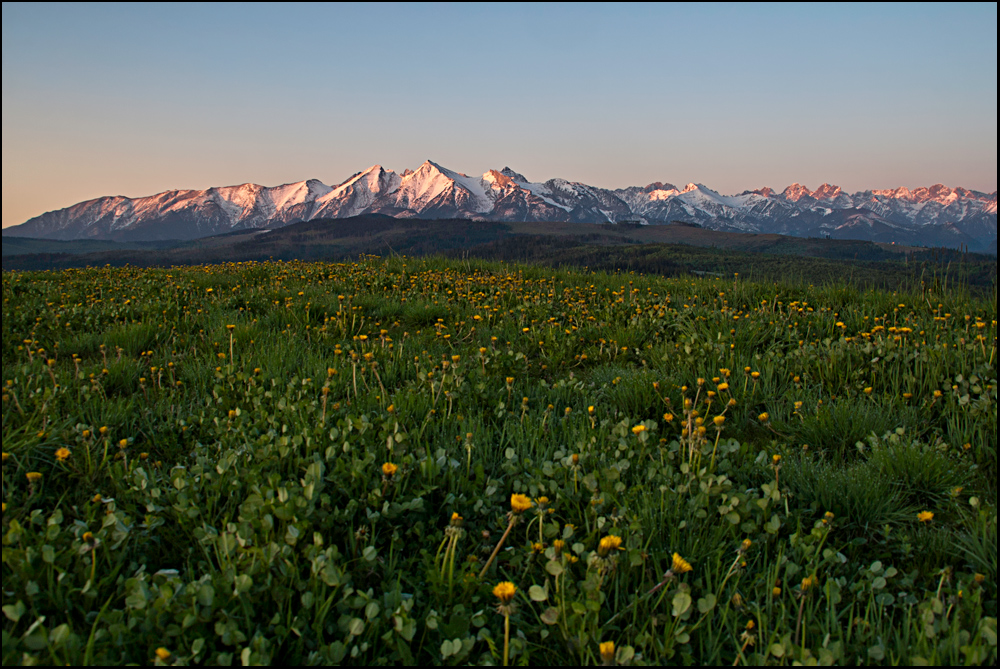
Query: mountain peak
{"points": [[511, 174], [499, 179], [796, 192], [826, 192], [658, 186]]}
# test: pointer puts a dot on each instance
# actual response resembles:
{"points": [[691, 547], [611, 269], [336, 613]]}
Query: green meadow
{"points": [[450, 463]]}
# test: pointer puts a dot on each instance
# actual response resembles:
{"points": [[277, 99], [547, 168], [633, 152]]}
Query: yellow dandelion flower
{"points": [[668, 417], [389, 470], [162, 654], [925, 517], [680, 565], [505, 592], [746, 545], [719, 421], [776, 592], [6, 457], [123, 443], [62, 455], [33, 477], [638, 429], [520, 503], [608, 544], [776, 459], [764, 417], [608, 652], [723, 387]]}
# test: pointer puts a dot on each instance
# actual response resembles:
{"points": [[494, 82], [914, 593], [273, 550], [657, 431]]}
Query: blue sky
{"points": [[135, 99]]}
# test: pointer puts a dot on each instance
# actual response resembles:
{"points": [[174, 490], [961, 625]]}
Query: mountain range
{"points": [[935, 216]]}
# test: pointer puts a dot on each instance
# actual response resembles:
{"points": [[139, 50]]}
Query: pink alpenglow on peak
{"points": [[918, 216]]}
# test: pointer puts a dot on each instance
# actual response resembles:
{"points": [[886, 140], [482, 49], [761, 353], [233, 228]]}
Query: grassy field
{"points": [[444, 462]]}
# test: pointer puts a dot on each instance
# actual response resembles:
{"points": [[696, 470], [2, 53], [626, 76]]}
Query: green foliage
{"points": [[324, 481]]}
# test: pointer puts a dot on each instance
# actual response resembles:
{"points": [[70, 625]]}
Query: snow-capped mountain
{"points": [[932, 216]]}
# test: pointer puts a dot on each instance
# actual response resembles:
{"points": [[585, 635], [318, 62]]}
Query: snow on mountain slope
{"points": [[433, 191]]}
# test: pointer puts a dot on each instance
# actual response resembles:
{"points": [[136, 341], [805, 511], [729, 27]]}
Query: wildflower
{"points": [[719, 421], [808, 583], [576, 459], [559, 545], [62, 455], [505, 593], [828, 518], [389, 470], [6, 457], [755, 376], [608, 652], [97, 499], [33, 477], [776, 592], [591, 411], [123, 443], [745, 546], [925, 517], [868, 391], [679, 565], [609, 544], [723, 387], [979, 579], [520, 503], [776, 459], [763, 418], [638, 429], [162, 654]]}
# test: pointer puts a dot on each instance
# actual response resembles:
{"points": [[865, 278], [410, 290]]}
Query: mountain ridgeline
{"points": [[932, 217]]}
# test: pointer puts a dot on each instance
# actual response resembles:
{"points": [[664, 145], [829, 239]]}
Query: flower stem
{"points": [[506, 641], [496, 551]]}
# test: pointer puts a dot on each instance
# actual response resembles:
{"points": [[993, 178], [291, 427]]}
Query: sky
{"points": [[136, 99]]}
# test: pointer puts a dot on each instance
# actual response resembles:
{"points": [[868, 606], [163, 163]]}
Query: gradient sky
{"points": [[137, 99]]}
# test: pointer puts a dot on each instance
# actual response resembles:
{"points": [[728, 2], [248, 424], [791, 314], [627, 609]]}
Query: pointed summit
{"points": [[827, 192], [511, 174], [796, 192]]}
